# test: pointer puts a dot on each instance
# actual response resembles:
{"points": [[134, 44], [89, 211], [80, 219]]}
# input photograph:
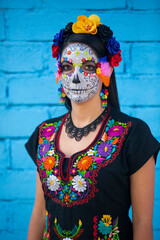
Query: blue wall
{"points": [[28, 92]]}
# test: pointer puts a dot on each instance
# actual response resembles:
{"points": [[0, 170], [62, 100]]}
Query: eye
{"points": [[66, 67], [89, 67]]}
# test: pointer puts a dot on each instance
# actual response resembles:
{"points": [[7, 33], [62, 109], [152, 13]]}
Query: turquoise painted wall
{"points": [[28, 90]]}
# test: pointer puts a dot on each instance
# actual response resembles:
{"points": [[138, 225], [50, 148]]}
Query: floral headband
{"points": [[90, 25]]}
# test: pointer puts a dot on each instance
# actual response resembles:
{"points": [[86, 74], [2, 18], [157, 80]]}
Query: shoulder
{"points": [[135, 122], [51, 121]]}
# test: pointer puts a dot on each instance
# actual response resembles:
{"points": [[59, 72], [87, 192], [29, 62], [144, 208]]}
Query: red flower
{"points": [[55, 51], [59, 70], [115, 59], [98, 65]]}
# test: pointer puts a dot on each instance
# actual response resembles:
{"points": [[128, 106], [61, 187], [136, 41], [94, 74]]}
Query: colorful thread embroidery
{"points": [[80, 184], [46, 234], [68, 234], [105, 229]]}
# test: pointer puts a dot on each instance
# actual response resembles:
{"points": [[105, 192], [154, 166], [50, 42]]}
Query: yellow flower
{"points": [[107, 220], [98, 70], [86, 25]]}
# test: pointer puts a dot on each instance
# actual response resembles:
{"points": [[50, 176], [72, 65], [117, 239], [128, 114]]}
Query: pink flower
{"points": [[48, 131], [55, 171], [115, 131]]}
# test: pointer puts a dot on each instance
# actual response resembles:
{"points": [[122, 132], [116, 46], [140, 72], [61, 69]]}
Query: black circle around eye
{"points": [[66, 67]]}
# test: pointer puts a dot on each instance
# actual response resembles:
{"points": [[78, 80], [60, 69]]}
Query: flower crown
{"points": [[90, 25]]}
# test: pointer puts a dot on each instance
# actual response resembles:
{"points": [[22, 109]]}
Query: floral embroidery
{"points": [[105, 228], [80, 184], [46, 234], [68, 234]]}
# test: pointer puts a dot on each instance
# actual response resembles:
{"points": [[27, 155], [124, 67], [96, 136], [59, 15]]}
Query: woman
{"points": [[95, 161]]}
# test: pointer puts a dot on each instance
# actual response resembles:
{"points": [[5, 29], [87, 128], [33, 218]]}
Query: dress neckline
{"points": [[74, 155]]}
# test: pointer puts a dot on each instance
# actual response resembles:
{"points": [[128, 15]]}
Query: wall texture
{"points": [[28, 92]]}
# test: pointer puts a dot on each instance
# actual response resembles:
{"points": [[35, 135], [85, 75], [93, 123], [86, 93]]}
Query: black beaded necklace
{"points": [[77, 133]]}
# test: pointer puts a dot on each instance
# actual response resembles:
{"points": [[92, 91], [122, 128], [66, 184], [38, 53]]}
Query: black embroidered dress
{"points": [[88, 196]]}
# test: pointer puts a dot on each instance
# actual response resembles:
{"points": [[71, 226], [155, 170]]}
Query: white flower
{"points": [[66, 239], [79, 183], [90, 152], [53, 183], [51, 152]]}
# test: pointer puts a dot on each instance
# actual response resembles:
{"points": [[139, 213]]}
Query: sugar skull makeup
{"points": [[79, 78]]}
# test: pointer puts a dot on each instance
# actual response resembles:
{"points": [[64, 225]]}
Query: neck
{"points": [[86, 112]]}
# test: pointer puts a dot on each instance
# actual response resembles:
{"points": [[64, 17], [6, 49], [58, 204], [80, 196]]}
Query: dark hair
{"points": [[95, 42]]}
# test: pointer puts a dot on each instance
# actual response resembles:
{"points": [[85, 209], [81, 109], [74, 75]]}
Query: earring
{"points": [[104, 95], [61, 95]]}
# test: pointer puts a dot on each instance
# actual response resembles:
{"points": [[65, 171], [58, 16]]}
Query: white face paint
{"points": [[79, 78]]}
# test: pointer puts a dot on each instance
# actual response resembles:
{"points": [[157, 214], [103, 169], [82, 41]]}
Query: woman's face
{"points": [[79, 78]]}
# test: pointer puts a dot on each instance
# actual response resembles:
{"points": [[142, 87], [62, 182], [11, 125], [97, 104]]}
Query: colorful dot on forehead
{"points": [[91, 74], [69, 74], [62, 60], [69, 52], [85, 52], [80, 70], [74, 64], [70, 60], [77, 52], [93, 58], [83, 59], [80, 64], [89, 58], [85, 74], [66, 59]]}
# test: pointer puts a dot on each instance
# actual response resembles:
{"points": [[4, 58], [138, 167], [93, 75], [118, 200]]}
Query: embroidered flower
{"points": [[66, 188], [67, 239], [104, 149], [53, 183], [66, 197], [51, 152], [115, 131], [113, 46], [55, 171], [86, 25], [44, 148], [116, 59], [107, 220], [84, 163], [49, 163], [73, 195], [61, 195], [79, 183], [48, 131], [73, 171], [103, 228]]}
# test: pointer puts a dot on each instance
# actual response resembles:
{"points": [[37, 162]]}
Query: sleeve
{"points": [[31, 145], [141, 145]]}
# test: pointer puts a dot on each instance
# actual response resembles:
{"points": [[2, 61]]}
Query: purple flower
{"points": [[104, 149], [115, 131], [87, 174], [113, 46], [48, 131], [58, 38], [44, 148]]}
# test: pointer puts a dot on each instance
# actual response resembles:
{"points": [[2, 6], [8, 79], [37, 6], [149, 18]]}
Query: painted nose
{"points": [[76, 79]]}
